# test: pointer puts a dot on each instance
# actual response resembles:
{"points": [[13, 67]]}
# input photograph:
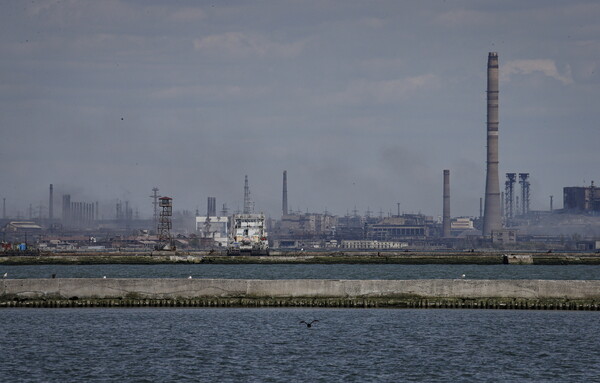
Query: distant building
{"points": [[213, 229], [375, 245], [24, 231], [406, 227], [582, 198], [306, 225], [504, 236]]}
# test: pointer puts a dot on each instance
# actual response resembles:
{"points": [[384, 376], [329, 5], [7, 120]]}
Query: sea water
{"points": [[271, 345], [307, 271]]}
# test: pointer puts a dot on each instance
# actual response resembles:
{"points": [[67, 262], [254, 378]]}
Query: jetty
{"points": [[423, 293]]}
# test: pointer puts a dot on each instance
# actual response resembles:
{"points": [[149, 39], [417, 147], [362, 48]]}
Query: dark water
{"points": [[269, 345], [286, 271]]}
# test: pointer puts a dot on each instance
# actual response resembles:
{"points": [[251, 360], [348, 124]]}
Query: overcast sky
{"points": [[364, 103]]}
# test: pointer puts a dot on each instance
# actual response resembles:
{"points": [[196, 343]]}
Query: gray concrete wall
{"points": [[195, 288]]}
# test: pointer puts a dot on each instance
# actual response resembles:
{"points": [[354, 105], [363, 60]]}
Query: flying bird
{"points": [[5, 275], [463, 276], [104, 277], [309, 324], [190, 277]]}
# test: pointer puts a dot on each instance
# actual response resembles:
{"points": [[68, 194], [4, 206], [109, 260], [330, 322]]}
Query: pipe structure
{"points": [[446, 207], [491, 217], [284, 203]]}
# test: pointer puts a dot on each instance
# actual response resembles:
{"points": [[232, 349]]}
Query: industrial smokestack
{"points": [[211, 209], [446, 208], [284, 205], [247, 202], [51, 204], [491, 217], [66, 209]]}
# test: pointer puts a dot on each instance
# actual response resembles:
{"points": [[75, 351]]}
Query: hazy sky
{"points": [[364, 103]]}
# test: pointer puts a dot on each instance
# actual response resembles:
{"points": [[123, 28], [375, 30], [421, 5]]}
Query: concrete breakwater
{"points": [[432, 293]]}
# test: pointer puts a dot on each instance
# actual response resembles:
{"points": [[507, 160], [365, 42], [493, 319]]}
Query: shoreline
{"points": [[324, 257]]}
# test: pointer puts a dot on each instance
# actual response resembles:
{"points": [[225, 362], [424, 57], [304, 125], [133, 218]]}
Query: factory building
{"points": [[78, 214], [405, 227], [582, 198], [372, 245], [213, 230], [306, 225]]}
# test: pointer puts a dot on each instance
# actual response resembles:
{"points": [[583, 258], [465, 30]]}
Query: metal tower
{"points": [[509, 195], [165, 241], [224, 210], [524, 181], [154, 197], [247, 202]]}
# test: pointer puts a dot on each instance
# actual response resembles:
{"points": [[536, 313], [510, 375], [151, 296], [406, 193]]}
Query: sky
{"points": [[364, 103]]}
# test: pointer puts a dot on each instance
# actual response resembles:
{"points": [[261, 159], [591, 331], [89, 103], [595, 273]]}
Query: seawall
{"points": [[457, 293]]}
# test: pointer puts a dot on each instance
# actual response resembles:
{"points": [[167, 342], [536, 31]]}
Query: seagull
{"points": [[462, 276], [104, 277], [309, 324], [190, 277], [5, 275]]}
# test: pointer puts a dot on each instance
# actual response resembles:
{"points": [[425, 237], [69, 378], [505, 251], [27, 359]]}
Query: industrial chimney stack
{"points": [[284, 206], [247, 201], [492, 219], [51, 204], [446, 207], [211, 208]]}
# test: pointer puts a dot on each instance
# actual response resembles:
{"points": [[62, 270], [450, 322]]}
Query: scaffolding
{"points": [[165, 241], [509, 195], [154, 197], [524, 181]]}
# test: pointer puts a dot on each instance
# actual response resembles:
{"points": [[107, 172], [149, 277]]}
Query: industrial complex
{"points": [[505, 219]]}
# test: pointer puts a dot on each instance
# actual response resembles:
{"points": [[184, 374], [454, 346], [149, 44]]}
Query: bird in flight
{"points": [[309, 324]]}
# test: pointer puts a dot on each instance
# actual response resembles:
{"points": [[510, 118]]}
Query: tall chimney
{"points": [[247, 202], [491, 216], [51, 204], [446, 208], [284, 206], [211, 209]]}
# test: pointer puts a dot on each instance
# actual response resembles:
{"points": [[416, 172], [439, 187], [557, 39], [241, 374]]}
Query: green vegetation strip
{"points": [[378, 302]]}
